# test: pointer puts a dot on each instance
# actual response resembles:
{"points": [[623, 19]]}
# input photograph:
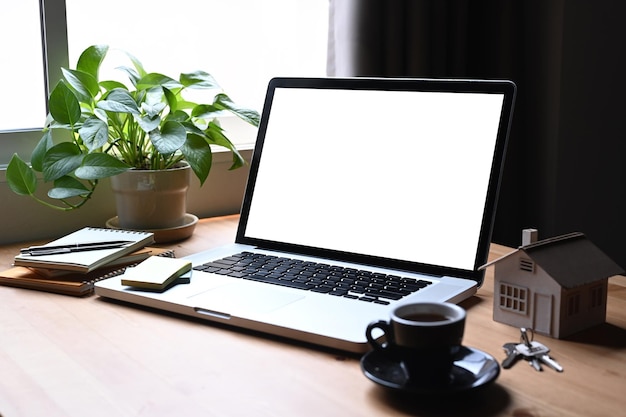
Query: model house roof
{"points": [[571, 260]]}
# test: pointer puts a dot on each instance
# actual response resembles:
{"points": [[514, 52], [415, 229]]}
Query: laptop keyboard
{"points": [[317, 277]]}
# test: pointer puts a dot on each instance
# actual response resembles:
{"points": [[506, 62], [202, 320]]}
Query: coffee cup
{"points": [[424, 338]]}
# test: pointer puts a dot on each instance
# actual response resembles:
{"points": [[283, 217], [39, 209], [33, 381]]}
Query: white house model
{"points": [[556, 286]]}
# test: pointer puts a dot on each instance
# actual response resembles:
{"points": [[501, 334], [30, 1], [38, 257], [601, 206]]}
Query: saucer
{"points": [[169, 234], [472, 369]]}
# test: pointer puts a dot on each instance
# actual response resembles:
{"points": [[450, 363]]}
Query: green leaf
{"points": [[133, 75], [147, 123], [155, 79], [137, 64], [198, 79], [91, 58], [67, 187], [153, 103], [101, 114], [20, 177], [178, 116], [170, 138], [192, 128], [112, 85], [60, 160], [182, 104], [84, 84], [63, 104], [201, 124], [216, 136], [119, 101], [45, 143], [100, 165], [171, 99], [152, 110], [94, 133], [207, 111], [222, 101], [198, 154]]}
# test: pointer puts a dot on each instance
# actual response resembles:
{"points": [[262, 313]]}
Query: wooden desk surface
{"points": [[65, 356]]}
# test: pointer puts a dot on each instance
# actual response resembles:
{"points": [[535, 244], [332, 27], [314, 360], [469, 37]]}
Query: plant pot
{"points": [[151, 199]]}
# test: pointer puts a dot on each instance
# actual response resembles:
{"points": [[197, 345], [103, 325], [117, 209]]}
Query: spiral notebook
{"points": [[75, 283], [87, 261]]}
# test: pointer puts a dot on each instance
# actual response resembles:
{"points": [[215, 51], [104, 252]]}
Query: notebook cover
{"points": [[131, 258], [88, 260]]}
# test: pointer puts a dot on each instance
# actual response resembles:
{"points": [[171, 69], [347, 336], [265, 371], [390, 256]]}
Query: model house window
{"points": [[573, 304], [597, 296], [513, 298], [527, 265]]}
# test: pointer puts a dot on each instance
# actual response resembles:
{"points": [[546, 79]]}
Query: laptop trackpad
{"points": [[234, 299]]}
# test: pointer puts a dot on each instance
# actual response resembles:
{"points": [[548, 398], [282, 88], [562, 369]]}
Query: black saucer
{"points": [[472, 369]]}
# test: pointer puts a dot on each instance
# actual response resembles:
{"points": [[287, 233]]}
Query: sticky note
{"points": [[155, 273]]}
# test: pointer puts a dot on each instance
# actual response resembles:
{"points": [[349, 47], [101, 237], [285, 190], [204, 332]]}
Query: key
{"points": [[524, 337], [530, 353], [535, 363], [545, 358], [529, 350], [538, 352], [512, 355], [532, 349]]}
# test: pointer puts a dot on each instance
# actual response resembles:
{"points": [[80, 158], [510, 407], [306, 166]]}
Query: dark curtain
{"points": [[564, 170]]}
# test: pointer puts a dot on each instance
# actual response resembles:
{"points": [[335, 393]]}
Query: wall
{"points": [[565, 168], [591, 196]]}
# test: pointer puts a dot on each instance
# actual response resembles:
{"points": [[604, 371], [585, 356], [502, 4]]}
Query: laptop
{"points": [[362, 194]]}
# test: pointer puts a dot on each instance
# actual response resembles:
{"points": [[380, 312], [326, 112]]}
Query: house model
{"points": [[556, 286]]}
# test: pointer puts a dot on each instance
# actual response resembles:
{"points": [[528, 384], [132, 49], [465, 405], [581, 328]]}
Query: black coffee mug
{"points": [[424, 338]]}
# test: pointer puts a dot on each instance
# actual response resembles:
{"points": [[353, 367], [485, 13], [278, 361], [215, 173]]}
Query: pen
{"points": [[75, 247]]}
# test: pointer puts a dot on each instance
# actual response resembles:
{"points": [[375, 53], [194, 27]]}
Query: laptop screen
{"points": [[397, 173]]}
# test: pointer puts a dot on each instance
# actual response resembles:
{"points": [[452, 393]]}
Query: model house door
{"points": [[543, 313]]}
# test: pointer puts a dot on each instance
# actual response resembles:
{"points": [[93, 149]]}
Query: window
{"points": [[513, 298], [34, 62], [526, 265], [242, 43], [573, 304], [27, 86], [597, 296]]}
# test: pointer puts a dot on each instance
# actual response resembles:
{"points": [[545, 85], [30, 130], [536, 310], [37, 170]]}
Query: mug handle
{"points": [[382, 325]]}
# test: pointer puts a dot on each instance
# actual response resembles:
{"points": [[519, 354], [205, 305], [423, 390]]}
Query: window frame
{"points": [[513, 298], [54, 39]]}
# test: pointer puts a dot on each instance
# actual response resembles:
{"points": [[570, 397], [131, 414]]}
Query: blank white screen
{"points": [[393, 174]]}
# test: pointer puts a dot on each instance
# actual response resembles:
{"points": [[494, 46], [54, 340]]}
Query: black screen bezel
{"points": [[505, 87]]}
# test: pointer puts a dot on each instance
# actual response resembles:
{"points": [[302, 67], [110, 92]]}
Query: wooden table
{"points": [[65, 356]]}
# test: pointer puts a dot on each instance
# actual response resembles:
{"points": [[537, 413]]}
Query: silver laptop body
{"points": [[384, 176]]}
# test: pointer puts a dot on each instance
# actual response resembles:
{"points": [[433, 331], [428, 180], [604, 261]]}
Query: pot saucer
{"points": [[169, 234], [472, 369]]}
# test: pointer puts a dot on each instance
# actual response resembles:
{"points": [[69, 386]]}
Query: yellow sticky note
{"points": [[155, 273]]}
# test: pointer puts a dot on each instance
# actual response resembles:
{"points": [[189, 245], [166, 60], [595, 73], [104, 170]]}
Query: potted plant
{"points": [[98, 129]]}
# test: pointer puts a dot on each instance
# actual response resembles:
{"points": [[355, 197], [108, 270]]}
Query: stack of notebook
{"points": [[72, 264]]}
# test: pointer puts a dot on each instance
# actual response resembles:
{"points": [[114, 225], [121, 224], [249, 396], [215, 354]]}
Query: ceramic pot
{"points": [[151, 199]]}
